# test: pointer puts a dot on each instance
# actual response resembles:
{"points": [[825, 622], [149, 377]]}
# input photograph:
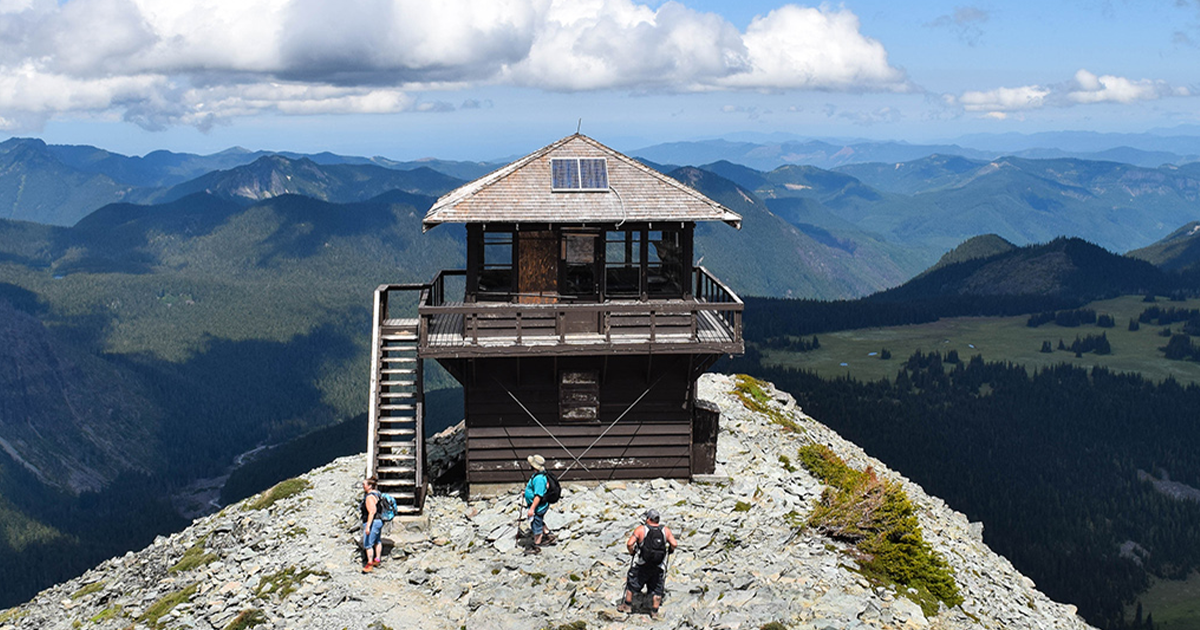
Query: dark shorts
{"points": [[537, 524], [652, 577]]}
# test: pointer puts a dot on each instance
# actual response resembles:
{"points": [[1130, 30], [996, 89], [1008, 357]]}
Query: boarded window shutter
{"points": [[579, 396]]}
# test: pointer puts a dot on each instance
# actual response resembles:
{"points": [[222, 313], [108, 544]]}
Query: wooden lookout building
{"points": [[580, 331]]}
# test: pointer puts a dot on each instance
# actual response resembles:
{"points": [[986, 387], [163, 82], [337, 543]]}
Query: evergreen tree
{"points": [[1046, 348]]}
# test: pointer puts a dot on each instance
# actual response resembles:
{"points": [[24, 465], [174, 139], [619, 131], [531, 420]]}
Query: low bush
{"points": [[877, 517]]}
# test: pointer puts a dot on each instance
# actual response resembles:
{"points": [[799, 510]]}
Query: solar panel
{"points": [[565, 174], [593, 174], [578, 174]]}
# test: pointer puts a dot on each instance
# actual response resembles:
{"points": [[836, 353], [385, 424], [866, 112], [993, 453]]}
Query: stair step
{"points": [[399, 337], [397, 371], [397, 394], [395, 432], [396, 469], [401, 496], [399, 359], [402, 384], [397, 407], [396, 456]]}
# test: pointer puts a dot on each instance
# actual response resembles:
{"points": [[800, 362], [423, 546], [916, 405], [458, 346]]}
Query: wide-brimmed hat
{"points": [[537, 461]]}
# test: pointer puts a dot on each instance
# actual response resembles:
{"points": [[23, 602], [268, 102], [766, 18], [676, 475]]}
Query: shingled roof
{"points": [[521, 193]]}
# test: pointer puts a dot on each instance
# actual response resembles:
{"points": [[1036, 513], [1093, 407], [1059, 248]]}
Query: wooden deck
{"points": [[459, 330]]}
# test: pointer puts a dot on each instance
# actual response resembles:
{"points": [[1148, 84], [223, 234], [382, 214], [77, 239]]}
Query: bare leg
{"points": [[627, 606]]}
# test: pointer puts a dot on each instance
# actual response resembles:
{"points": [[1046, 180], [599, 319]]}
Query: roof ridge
{"points": [[692, 204]]}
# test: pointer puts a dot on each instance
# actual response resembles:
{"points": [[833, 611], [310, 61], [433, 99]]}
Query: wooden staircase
{"points": [[395, 440]]}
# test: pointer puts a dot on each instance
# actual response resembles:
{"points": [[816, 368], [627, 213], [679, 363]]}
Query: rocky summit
{"points": [[288, 558]]}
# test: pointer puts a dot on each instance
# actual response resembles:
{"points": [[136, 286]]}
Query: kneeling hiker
{"points": [[649, 544]]}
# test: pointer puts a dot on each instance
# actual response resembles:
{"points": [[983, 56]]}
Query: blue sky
{"points": [[484, 79]]}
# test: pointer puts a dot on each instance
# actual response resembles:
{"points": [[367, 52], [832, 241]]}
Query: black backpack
{"points": [[654, 545], [553, 489]]}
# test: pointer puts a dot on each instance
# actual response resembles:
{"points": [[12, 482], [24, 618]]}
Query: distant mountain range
{"points": [[60, 184], [767, 153]]}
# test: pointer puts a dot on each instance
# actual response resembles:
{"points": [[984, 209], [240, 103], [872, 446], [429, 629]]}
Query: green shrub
{"points": [[192, 558], [88, 590], [278, 492], [574, 625], [164, 606], [741, 506], [106, 614], [878, 518], [283, 582], [752, 393], [247, 619]]}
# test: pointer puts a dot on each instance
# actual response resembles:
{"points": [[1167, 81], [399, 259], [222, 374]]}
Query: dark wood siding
{"points": [[652, 438]]}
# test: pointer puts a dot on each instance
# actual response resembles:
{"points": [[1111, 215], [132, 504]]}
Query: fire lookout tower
{"points": [[582, 326]]}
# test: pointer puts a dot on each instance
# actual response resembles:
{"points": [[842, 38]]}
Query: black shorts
{"points": [[650, 576]]}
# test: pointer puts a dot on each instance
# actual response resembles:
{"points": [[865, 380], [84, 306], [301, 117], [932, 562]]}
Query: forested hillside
{"points": [[1053, 462]]}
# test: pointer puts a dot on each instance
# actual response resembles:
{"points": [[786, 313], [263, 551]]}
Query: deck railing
{"points": [[713, 314]]}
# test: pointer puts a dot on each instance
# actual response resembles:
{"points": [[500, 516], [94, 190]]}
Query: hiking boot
{"points": [[376, 562], [549, 539], [368, 567], [624, 608], [654, 613], [533, 550]]}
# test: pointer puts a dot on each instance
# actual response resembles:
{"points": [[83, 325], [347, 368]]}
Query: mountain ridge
{"points": [[286, 558]]}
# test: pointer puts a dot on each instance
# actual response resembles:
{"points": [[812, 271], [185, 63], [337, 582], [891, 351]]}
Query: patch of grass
{"points": [[88, 590], [741, 506], [278, 492], [774, 625], [537, 577], [752, 393], [574, 625], [164, 605], [283, 582], [106, 614], [1175, 604], [786, 462], [12, 614], [1001, 339], [878, 518], [192, 558], [247, 619]]}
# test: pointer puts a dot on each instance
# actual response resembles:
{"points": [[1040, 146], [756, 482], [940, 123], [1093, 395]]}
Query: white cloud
{"points": [[164, 62], [804, 48], [1084, 88], [1111, 89], [1005, 99]]}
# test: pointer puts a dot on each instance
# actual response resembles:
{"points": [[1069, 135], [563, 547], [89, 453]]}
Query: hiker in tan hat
{"points": [[540, 492]]}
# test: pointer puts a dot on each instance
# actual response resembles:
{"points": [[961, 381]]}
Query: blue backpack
{"points": [[385, 507]]}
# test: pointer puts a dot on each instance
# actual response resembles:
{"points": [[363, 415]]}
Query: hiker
{"points": [[649, 544], [372, 524], [535, 498]]}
